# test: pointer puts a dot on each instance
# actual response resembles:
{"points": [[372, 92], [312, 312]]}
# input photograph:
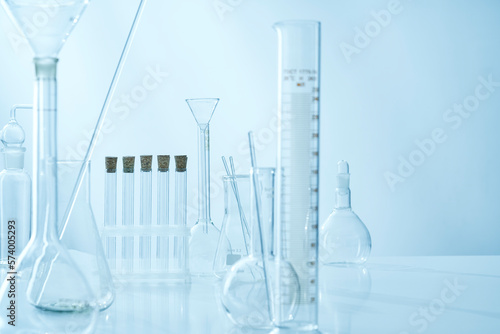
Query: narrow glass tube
{"points": [[45, 161], [128, 212], [163, 185], [180, 242], [146, 211], [110, 197]]}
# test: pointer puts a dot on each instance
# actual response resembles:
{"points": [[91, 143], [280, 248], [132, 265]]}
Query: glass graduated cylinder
{"points": [[298, 164]]}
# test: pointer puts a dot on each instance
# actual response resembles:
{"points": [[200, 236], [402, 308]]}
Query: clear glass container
{"points": [[344, 239], [234, 223], [47, 275], [81, 236], [204, 234], [247, 289], [298, 165], [15, 193]]}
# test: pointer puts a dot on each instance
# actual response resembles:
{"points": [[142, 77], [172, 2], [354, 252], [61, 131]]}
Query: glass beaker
{"points": [[234, 223], [298, 165], [246, 294], [81, 236]]}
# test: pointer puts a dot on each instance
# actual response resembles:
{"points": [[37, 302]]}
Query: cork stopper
{"points": [[111, 163], [163, 163], [181, 163], [128, 164], [146, 163]]}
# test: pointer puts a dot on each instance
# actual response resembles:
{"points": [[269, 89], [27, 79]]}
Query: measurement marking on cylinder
{"points": [[315, 135]]}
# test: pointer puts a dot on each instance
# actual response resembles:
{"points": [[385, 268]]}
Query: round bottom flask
{"points": [[344, 239]]}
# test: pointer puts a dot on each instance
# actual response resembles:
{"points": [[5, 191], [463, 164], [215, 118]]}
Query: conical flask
{"points": [[234, 223], [344, 239], [47, 277], [81, 236], [204, 234]]}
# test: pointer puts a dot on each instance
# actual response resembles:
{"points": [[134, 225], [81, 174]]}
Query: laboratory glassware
{"points": [[233, 229], [245, 295], [110, 204], [343, 238], [15, 193], [146, 210], [297, 168], [45, 270], [204, 234], [178, 261], [128, 202], [162, 198], [107, 103], [81, 236]]}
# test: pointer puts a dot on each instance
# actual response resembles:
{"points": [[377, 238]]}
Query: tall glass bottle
{"points": [[15, 195]]}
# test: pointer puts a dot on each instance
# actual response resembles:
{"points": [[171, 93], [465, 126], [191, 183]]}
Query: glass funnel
{"points": [[204, 234], [344, 239], [47, 275]]}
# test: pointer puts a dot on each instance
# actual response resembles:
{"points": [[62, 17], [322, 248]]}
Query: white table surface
{"points": [[391, 295]]}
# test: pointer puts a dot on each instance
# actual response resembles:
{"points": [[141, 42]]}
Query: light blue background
{"points": [[375, 105]]}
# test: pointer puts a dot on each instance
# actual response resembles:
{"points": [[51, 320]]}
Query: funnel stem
{"points": [[45, 152], [204, 174]]}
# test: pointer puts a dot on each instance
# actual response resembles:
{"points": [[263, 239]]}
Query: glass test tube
{"points": [[146, 211], [110, 208], [128, 212], [163, 185], [180, 242]]}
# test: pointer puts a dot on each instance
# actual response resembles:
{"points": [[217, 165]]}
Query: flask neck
{"points": [[342, 199], [14, 159]]}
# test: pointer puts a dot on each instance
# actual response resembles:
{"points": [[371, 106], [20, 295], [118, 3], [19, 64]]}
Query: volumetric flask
{"points": [[298, 157], [234, 226], [245, 289]]}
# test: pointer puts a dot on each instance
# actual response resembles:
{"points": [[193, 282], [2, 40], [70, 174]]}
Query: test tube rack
{"points": [[145, 244]]}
